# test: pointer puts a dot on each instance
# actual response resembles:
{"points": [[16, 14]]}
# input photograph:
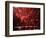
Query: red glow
{"points": [[23, 13], [29, 17]]}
